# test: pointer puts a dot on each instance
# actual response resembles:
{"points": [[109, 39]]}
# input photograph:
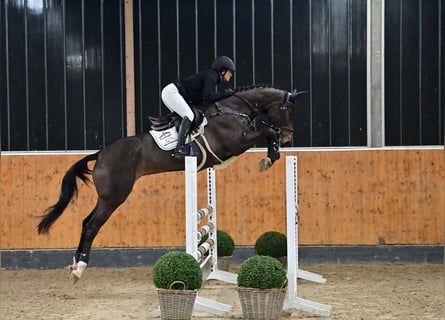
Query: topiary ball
{"points": [[271, 243], [177, 266], [225, 243], [261, 272]]}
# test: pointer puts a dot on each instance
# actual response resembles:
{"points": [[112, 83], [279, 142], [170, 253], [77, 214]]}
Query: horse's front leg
{"points": [[273, 138], [273, 149]]}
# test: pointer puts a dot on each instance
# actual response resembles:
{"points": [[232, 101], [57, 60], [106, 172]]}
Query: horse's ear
{"points": [[295, 93]]}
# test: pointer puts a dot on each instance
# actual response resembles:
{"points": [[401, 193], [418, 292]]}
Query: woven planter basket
{"points": [[176, 304], [224, 263], [261, 304]]}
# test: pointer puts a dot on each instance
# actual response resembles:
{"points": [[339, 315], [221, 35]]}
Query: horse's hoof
{"points": [[265, 164], [74, 276]]}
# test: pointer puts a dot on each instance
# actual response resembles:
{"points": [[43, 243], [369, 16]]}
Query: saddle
{"points": [[164, 130], [174, 120]]}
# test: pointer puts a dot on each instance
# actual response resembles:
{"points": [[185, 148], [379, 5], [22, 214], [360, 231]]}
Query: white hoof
{"points": [[76, 274]]}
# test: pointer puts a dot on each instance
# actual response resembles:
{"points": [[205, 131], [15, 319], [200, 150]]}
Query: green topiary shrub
{"points": [[261, 272], [177, 266], [225, 243], [271, 243]]}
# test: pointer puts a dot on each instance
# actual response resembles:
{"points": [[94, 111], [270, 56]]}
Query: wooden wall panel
{"points": [[346, 197]]}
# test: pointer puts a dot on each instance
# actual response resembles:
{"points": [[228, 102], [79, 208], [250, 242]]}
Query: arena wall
{"points": [[347, 197]]}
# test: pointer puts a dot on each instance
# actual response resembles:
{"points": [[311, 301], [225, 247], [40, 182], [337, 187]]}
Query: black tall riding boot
{"points": [[181, 149]]}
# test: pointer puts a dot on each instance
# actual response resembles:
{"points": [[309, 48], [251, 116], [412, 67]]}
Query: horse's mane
{"points": [[257, 86]]}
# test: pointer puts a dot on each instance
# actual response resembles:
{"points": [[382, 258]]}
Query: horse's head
{"points": [[287, 131], [279, 108]]}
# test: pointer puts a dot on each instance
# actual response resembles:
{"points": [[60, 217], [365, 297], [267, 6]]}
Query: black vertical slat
{"points": [[320, 74], [243, 34], [147, 83], [4, 145], [113, 79], [36, 76], [17, 76], [339, 60], [281, 44], [187, 38], [263, 43], [225, 33], [263, 47], [206, 33], [74, 75], [55, 75], [138, 17], [410, 73], [441, 68], [93, 75], [224, 29], [392, 73], [429, 81], [301, 71], [357, 81], [169, 49]]}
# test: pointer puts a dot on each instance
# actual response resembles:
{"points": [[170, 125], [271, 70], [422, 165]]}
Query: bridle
{"points": [[285, 104]]}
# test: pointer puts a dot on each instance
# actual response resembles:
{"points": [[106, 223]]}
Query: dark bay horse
{"points": [[234, 125]]}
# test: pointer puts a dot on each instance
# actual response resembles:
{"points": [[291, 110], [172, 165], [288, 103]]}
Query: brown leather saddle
{"points": [[173, 119]]}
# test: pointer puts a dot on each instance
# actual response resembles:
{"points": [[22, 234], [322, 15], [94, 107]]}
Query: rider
{"points": [[195, 89]]}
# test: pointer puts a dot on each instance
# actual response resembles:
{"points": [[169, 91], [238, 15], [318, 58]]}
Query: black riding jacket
{"points": [[200, 87]]}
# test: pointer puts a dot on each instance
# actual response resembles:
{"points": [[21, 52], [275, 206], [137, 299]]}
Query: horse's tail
{"points": [[68, 190]]}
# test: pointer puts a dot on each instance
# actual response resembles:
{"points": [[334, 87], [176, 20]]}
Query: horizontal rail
{"points": [[204, 247], [204, 212], [205, 229]]}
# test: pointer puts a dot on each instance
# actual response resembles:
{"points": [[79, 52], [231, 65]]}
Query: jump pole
{"points": [[209, 263], [293, 272]]}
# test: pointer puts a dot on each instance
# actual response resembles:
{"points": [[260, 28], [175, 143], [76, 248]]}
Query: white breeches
{"points": [[175, 102]]}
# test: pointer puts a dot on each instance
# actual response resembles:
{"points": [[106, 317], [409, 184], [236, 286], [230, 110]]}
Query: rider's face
{"points": [[227, 75]]}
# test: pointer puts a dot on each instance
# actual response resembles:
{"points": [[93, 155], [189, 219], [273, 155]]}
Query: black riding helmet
{"points": [[223, 63]]}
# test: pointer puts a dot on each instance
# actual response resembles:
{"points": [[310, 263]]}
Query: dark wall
{"points": [[414, 72], [63, 74], [62, 65]]}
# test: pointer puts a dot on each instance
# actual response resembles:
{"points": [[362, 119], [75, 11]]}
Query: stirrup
{"points": [[181, 153]]}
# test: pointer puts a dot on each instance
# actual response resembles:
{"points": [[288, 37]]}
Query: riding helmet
{"points": [[223, 63]]}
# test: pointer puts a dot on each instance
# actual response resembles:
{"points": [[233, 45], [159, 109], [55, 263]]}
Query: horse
{"points": [[234, 124]]}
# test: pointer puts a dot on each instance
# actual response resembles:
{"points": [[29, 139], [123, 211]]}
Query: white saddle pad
{"points": [[168, 138]]}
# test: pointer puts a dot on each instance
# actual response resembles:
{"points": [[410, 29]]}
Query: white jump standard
{"points": [[209, 262], [293, 272]]}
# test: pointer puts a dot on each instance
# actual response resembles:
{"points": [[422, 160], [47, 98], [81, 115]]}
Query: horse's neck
{"points": [[236, 104]]}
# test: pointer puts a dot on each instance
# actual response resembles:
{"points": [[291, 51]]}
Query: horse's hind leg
{"points": [[90, 227], [114, 175], [79, 251]]}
